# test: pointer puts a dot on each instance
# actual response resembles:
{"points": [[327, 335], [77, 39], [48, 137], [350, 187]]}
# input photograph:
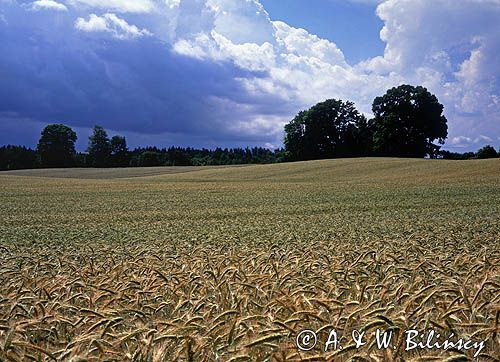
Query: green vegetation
{"points": [[407, 121], [56, 147], [330, 129], [18, 157], [99, 150], [233, 262], [487, 152]]}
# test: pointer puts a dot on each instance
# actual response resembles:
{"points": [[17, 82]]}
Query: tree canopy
{"points": [[329, 129], [17, 157], [56, 146], [487, 152], [119, 151], [407, 122], [99, 147]]}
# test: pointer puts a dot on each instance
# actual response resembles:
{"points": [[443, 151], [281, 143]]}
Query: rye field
{"points": [[231, 264]]}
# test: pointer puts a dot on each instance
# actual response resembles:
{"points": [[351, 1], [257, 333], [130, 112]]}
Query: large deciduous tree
{"points": [[56, 146], [119, 151], [330, 129], [487, 152], [408, 120], [99, 147]]}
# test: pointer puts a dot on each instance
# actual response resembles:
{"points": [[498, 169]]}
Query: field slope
{"points": [[106, 173], [214, 264]]}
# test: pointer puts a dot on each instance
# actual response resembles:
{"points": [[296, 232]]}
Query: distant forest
{"points": [[407, 122], [20, 157]]}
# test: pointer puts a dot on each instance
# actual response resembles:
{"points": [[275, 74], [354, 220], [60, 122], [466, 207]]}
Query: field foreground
{"points": [[230, 264]]}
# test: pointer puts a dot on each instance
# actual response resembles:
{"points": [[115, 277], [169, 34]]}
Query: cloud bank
{"points": [[222, 72]]}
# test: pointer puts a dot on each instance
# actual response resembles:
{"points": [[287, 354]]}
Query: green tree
{"points": [[17, 157], [119, 151], [487, 152], [56, 146], [150, 159], [99, 147], [181, 159], [407, 121], [333, 128]]}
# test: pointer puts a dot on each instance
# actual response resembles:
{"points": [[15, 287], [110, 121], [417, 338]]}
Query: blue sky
{"points": [[209, 73], [353, 26]]}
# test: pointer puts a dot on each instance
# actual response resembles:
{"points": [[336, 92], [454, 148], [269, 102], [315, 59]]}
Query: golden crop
{"points": [[229, 264]]}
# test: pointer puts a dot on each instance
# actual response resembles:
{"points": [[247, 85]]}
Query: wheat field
{"points": [[230, 264]]}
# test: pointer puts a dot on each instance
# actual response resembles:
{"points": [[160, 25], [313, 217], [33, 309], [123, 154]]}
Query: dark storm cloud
{"points": [[51, 72]]}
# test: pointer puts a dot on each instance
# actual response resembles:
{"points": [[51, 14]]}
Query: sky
{"points": [[232, 73]]}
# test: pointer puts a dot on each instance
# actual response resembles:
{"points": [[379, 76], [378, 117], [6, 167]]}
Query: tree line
{"points": [[407, 122], [20, 157], [56, 148]]}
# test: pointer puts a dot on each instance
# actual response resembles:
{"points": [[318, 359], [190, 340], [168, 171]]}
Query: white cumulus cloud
{"points": [[173, 3], [110, 23], [295, 66], [47, 5], [122, 6], [451, 47], [217, 47]]}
